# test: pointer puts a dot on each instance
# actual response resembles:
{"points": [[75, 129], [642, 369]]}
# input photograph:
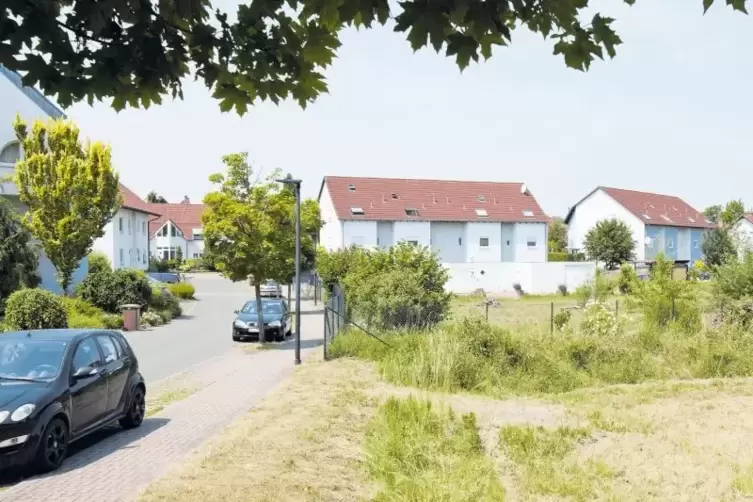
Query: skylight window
{"points": [[691, 220], [481, 198], [527, 212], [647, 217], [411, 211], [357, 211], [481, 213], [352, 187], [394, 196], [666, 218]]}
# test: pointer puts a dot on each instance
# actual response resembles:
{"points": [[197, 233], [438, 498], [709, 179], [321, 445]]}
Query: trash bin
{"points": [[131, 317]]}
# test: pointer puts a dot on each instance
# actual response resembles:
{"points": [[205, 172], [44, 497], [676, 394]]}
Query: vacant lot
{"points": [[331, 434]]}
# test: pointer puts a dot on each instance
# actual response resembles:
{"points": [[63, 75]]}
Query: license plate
{"points": [[253, 330]]}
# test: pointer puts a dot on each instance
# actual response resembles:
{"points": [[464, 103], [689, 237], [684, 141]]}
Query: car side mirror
{"points": [[85, 372], [236, 312]]}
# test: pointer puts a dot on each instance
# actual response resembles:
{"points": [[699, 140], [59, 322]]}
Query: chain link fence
{"points": [[335, 318]]}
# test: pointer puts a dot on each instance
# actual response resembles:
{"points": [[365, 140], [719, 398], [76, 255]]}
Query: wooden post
{"points": [[551, 318]]}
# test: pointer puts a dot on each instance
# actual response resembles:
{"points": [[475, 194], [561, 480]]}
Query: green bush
{"points": [[109, 291], [112, 321], [98, 262], [402, 287], [151, 319], [163, 300], [182, 290], [562, 319], [628, 281], [35, 309], [557, 256], [333, 266], [598, 289]]}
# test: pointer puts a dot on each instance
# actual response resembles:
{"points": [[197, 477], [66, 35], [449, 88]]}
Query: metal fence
{"points": [[335, 318]]}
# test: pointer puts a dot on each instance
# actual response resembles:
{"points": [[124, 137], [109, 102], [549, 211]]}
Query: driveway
{"points": [[115, 465], [202, 333]]}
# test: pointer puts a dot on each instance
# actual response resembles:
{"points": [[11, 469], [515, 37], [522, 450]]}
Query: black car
{"points": [[59, 385], [276, 316], [165, 277]]}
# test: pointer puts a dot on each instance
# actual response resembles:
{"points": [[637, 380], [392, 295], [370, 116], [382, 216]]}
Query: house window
{"points": [[11, 153], [481, 213], [531, 241], [129, 226], [695, 244], [198, 234], [173, 231], [120, 225], [143, 227], [121, 256], [527, 213], [197, 255], [162, 232], [483, 242], [138, 255], [670, 244], [167, 253], [356, 211], [415, 243], [143, 256], [411, 211]]}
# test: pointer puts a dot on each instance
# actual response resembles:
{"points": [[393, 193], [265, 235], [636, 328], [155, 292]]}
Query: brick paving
{"points": [[119, 466]]}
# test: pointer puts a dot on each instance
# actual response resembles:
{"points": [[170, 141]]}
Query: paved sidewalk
{"points": [[119, 466]]}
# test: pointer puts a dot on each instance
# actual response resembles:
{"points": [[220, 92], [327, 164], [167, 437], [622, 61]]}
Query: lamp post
{"points": [[297, 190]]}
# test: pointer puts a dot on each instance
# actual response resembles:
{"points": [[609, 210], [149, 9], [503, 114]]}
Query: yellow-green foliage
{"points": [[419, 452], [182, 290], [71, 191]]}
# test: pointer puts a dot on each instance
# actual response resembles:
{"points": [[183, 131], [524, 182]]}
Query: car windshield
{"points": [[271, 283], [266, 308], [31, 359]]}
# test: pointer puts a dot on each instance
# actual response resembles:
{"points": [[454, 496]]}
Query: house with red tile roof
{"points": [[177, 228], [659, 223], [461, 221], [126, 238]]}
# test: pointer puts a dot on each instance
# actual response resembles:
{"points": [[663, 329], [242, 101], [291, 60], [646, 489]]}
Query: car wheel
{"points": [[136, 410], [279, 336], [53, 446]]}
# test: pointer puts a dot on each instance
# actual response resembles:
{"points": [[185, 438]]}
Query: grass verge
{"points": [[304, 442], [161, 400], [420, 452]]}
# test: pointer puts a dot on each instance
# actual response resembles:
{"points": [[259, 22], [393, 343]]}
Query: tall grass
{"points": [[474, 356], [419, 452]]}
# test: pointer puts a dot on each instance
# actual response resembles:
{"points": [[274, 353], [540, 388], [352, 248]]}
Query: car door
{"points": [[286, 321], [88, 395], [116, 370]]}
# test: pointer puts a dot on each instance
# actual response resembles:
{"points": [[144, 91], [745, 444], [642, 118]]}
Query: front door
{"points": [[116, 371], [88, 395]]}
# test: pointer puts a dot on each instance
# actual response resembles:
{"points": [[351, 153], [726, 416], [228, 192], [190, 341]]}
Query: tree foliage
{"points": [[155, 198], [713, 213], [557, 235], [139, 52], [18, 257], [733, 211], [718, 247], [249, 225], [71, 191], [611, 242]]}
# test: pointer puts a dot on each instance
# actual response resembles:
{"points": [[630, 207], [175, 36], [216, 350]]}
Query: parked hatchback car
{"points": [[57, 386], [165, 277], [276, 317]]}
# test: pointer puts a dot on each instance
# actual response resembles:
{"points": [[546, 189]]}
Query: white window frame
{"points": [[6, 147]]}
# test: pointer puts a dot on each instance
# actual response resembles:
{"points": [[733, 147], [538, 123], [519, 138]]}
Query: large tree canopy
{"points": [[138, 51]]}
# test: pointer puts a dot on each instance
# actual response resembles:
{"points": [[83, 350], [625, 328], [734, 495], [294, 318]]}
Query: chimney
{"points": [[186, 200], [434, 197], [384, 198]]}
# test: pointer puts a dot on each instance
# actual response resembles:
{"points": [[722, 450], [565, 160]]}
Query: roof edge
{"points": [[34, 94]]}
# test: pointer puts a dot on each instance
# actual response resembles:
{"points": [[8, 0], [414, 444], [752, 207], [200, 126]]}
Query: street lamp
{"points": [[297, 190]]}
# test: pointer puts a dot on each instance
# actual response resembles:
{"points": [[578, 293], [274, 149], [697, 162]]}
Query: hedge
{"points": [[557, 256], [111, 290], [35, 309]]}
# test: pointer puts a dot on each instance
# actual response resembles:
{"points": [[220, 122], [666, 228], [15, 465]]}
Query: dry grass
{"points": [[157, 403], [303, 443]]}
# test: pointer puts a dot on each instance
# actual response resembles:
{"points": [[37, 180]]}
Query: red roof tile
{"points": [[657, 209], [185, 216], [749, 217], [387, 199], [133, 202]]}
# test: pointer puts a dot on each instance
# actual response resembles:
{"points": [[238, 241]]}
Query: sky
{"points": [[670, 114]]}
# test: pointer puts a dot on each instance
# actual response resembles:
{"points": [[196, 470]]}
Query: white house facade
{"points": [[177, 231], [126, 238], [460, 221], [743, 233], [659, 223], [31, 105]]}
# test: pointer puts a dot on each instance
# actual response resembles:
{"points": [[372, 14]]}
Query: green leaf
{"points": [[226, 105], [738, 5], [707, 5], [118, 103]]}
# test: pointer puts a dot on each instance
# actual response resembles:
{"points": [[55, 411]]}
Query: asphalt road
{"points": [[201, 334]]}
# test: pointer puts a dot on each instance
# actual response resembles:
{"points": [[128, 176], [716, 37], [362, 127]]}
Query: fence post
{"points": [[617, 307], [326, 330], [551, 317], [673, 309], [487, 311]]}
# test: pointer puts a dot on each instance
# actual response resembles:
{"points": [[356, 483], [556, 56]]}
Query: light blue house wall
{"points": [[677, 244], [48, 274]]}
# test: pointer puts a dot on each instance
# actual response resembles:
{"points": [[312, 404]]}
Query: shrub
{"points": [[610, 242], [35, 309], [557, 256], [182, 290], [600, 320], [600, 288], [665, 300], [163, 300], [165, 315], [628, 281], [76, 320], [333, 266], [402, 287], [112, 321], [98, 262], [111, 290], [518, 289], [562, 289], [151, 319], [562, 319]]}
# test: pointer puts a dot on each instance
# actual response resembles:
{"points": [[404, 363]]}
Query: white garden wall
{"points": [[534, 278]]}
